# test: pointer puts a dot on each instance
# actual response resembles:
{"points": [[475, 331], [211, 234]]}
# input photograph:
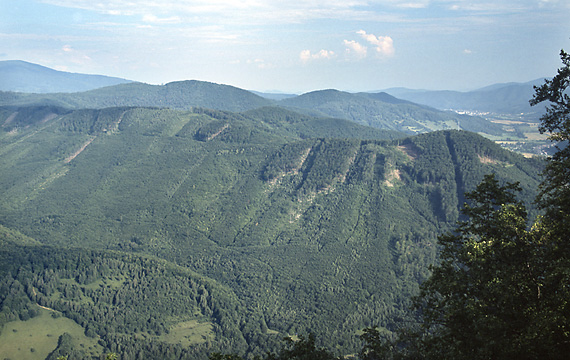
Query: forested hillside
{"points": [[386, 112], [379, 110], [206, 230], [130, 304], [179, 95]]}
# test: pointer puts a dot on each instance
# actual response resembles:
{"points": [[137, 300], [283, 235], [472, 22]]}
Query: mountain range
{"points": [[384, 111], [506, 98], [378, 110], [22, 76], [174, 221]]}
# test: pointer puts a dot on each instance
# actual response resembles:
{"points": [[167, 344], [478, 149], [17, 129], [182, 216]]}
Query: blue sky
{"points": [[293, 45]]}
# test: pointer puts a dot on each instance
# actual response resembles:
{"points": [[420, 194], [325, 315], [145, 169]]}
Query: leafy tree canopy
{"points": [[555, 190], [500, 289], [302, 349]]}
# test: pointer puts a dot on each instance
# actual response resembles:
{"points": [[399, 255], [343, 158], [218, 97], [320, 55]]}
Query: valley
{"points": [[506, 105], [192, 218]]}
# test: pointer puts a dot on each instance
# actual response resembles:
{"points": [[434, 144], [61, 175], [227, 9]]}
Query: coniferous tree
{"points": [[554, 199], [555, 189], [501, 289], [480, 300]]}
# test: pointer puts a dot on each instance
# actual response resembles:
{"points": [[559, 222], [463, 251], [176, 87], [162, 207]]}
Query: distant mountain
{"points": [[178, 95], [381, 110], [273, 95], [21, 76], [387, 98], [507, 98]]}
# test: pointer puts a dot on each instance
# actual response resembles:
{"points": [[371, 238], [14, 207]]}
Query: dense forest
{"points": [[187, 234], [377, 110], [500, 286]]}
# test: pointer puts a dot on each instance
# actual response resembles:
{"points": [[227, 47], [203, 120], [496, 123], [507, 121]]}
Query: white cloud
{"points": [[384, 44], [493, 7], [413, 5], [260, 64], [149, 18], [356, 49], [467, 51], [307, 56], [271, 12], [253, 12]]}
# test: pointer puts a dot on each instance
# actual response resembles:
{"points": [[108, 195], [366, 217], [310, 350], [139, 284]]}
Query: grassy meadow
{"points": [[36, 338]]}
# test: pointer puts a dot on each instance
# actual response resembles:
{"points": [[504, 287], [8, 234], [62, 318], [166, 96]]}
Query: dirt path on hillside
{"points": [[75, 154]]}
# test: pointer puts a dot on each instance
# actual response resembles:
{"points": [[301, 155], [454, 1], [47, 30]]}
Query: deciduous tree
{"points": [[502, 288], [481, 299]]}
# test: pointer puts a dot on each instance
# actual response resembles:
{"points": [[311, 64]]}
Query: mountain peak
{"points": [[23, 76]]}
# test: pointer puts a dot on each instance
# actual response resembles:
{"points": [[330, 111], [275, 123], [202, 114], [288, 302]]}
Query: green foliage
{"points": [[178, 95], [555, 193], [554, 198], [303, 348], [211, 130], [486, 285], [218, 356], [288, 159], [380, 344], [300, 232], [500, 289], [384, 113], [111, 295], [492, 293], [63, 349], [13, 117], [93, 122], [306, 126]]}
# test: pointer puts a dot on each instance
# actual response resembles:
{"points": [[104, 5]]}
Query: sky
{"points": [[293, 46]]}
